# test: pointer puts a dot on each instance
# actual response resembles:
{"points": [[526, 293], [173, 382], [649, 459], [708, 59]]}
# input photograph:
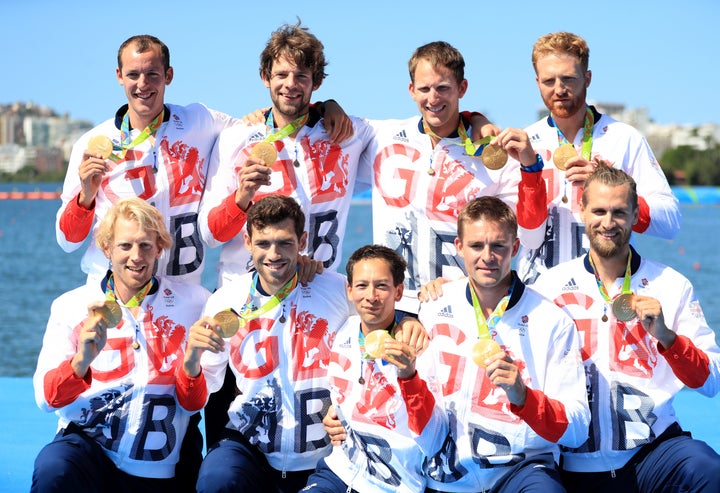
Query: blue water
{"points": [[34, 270]]}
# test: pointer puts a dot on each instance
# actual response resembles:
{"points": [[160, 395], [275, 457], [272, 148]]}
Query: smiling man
{"points": [[424, 169], [108, 367], [390, 418], [306, 162], [278, 357], [644, 338], [151, 149]]}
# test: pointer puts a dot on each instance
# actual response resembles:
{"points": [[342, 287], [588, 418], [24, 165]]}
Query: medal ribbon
{"points": [[471, 148], [126, 144], [136, 300], [286, 130], [248, 313], [587, 134], [626, 281], [483, 325]]}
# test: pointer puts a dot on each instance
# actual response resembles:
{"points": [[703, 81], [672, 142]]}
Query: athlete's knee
{"points": [[229, 467], [703, 469], [58, 468]]}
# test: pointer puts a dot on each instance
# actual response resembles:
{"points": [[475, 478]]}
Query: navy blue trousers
{"points": [[324, 480], [74, 462], [234, 465], [678, 464]]}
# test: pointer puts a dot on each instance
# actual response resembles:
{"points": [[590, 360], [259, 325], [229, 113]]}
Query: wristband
{"points": [[538, 166]]}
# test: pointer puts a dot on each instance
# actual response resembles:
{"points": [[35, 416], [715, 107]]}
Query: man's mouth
{"points": [[275, 265]]}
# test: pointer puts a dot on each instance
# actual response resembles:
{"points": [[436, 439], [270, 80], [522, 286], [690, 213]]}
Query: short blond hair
{"points": [[148, 218], [561, 42]]}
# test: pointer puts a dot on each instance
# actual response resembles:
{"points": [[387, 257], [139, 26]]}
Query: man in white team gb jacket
{"points": [[153, 150], [573, 140], [108, 366], [644, 338], [391, 419], [506, 363]]}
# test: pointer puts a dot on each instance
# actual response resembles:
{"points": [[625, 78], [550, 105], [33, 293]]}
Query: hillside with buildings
{"points": [[36, 136]]}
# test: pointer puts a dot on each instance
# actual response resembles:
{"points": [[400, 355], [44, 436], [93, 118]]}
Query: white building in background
{"points": [[35, 135], [13, 157], [37, 131]]}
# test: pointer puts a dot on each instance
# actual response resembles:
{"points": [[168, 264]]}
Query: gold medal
{"points": [[431, 171], [375, 343], [483, 349], [136, 345], [622, 307], [562, 154], [228, 322], [494, 157], [265, 151], [111, 313], [102, 145]]}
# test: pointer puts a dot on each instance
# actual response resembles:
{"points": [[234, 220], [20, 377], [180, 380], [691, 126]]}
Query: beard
{"points": [[291, 110], [608, 248], [566, 109]]}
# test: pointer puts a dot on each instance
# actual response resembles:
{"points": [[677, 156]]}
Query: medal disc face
{"points": [[483, 349], [228, 322], [265, 151], [102, 145], [562, 154], [375, 343], [494, 157], [111, 313], [622, 307]]}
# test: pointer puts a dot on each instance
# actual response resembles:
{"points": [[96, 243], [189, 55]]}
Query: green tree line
{"points": [[685, 165]]}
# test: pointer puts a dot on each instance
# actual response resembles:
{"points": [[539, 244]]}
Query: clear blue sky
{"points": [[662, 55]]}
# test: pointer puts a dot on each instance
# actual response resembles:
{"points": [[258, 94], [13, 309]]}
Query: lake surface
{"points": [[34, 270]]}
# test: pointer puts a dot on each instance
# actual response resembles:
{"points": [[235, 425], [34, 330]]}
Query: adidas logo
{"points": [[534, 138], [346, 344], [256, 137], [401, 136], [446, 312], [571, 285]]}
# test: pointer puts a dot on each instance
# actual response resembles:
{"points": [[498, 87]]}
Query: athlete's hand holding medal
{"points": [[380, 344], [93, 167], [208, 334], [649, 312], [500, 369], [576, 168], [93, 335], [254, 172], [510, 142]]}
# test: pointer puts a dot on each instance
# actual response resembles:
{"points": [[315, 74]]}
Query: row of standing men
{"points": [[130, 390]]}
